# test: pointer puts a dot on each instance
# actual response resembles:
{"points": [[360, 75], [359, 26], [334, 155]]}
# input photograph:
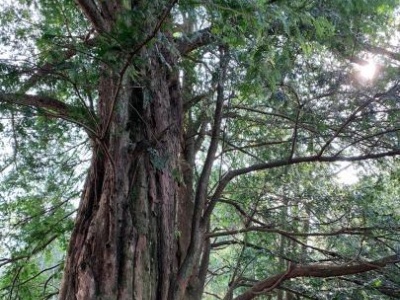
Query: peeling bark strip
{"points": [[320, 270]]}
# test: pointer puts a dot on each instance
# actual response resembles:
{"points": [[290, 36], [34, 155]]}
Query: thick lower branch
{"points": [[37, 101], [318, 270]]}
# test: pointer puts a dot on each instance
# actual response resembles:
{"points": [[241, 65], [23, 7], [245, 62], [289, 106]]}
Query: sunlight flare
{"points": [[368, 71]]}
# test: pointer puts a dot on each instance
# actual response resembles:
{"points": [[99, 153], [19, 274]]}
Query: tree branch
{"points": [[243, 212], [201, 191], [270, 229], [37, 101], [349, 119], [93, 14], [48, 67], [52, 108], [285, 162], [317, 270], [195, 40], [385, 288], [382, 51]]}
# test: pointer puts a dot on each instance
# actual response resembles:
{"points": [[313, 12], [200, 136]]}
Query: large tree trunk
{"points": [[126, 243], [134, 237]]}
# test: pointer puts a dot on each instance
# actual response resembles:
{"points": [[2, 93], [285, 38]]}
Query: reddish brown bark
{"points": [[131, 234], [123, 245]]}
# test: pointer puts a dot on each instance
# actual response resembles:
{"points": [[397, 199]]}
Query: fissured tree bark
{"points": [[133, 226]]}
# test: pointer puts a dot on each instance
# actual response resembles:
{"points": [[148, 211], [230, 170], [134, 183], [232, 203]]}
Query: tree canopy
{"points": [[199, 147]]}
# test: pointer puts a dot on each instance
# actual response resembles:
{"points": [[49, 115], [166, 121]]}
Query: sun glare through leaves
{"points": [[367, 72]]}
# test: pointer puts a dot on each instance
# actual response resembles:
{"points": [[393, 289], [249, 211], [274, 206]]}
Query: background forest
{"points": [[289, 130]]}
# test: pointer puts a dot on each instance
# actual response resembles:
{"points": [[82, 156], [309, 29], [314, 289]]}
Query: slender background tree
{"points": [[208, 133]]}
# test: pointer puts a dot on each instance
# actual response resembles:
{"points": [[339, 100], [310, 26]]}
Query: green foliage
{"points": [[40, 183], [290, 93], [298, 200]]}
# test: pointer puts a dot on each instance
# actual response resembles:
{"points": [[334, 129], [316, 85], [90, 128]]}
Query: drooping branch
{"points": [[270, 229], [15, 284], [316, 270], [386, 288], [283, 233], [382, 51]]}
